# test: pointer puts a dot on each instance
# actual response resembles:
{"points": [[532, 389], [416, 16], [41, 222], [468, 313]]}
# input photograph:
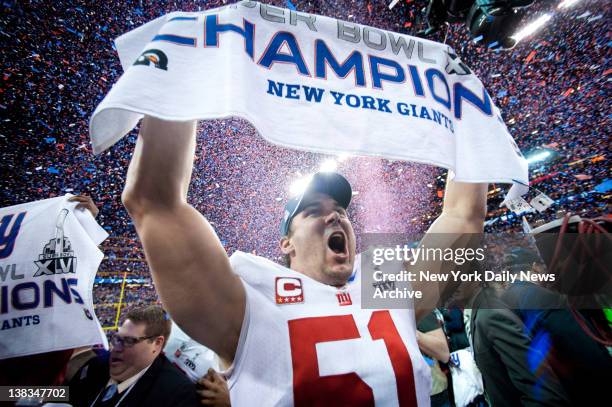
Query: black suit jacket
{"points": [[162, 385], [582, 364], [513, 372]]}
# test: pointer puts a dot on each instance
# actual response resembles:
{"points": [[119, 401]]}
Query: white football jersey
{"points": [[305, 343]]}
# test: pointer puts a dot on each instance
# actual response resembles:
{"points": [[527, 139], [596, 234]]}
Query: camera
{"points": [[491, 22]]}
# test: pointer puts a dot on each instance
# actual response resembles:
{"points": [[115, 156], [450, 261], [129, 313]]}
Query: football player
{"points": [[294, 334]]}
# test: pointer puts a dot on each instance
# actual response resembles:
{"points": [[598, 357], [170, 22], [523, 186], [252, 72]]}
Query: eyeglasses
{"points": [[128, 341]]}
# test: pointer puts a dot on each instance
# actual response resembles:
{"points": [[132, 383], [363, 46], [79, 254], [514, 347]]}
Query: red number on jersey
{"points": [[381, 326], [312, 389]]}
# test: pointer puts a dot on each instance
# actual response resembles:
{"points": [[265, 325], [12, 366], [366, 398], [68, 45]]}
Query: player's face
{"points": [[125, 360], [322, 241]]}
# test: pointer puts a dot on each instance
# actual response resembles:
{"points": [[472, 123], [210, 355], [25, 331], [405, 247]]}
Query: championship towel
{"points": [[48, 260], [313, 83], [191, 357]]}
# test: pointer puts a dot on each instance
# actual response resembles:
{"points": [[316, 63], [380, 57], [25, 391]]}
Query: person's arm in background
{"points": [[190, 267], [434, 344], [432, 339], [85, 202]]}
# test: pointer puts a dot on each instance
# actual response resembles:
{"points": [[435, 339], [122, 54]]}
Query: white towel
{"points": [[50, 256], [312, 83]]}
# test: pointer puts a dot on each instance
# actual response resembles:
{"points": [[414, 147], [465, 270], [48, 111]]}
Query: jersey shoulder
{"points": [[258, 272]]}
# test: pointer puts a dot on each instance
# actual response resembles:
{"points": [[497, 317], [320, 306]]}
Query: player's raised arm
{"points": [[190, 267], [462, 218], [464, 208]]}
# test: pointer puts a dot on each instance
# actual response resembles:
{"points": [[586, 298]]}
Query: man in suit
{"points": [[137, 373]]}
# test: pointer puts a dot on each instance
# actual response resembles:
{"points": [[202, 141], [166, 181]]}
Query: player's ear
{"points": [[286, 245], [160, 341]]}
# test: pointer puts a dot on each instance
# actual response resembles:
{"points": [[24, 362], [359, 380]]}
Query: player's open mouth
{"points": [[337, 243]]}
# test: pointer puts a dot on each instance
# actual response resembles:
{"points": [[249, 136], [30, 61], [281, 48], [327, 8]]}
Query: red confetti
{"points": [[530, 56]]}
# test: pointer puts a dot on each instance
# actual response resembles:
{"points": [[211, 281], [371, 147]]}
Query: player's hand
{"points": [[213, 390], [85, 202]]}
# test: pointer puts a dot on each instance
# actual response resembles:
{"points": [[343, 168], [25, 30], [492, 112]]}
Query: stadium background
{"points": [[58, 62]]}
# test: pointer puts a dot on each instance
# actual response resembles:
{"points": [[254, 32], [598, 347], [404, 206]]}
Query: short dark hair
{"points": [[157, 322]]}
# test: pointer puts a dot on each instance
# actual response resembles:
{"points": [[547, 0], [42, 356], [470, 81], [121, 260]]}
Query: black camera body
{"points": [[491, 21]]}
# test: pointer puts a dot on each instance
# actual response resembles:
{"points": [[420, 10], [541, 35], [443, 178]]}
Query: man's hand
{"points": [[85, 202], [213, 390]]}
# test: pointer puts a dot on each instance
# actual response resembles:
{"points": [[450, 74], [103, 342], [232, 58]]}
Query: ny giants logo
{"points": [[8, 235], [344, 298], [289, 290]]}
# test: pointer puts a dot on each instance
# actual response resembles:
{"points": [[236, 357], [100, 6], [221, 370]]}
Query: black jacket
{"points": [[582, 364], [162, 385], [514, 373]]}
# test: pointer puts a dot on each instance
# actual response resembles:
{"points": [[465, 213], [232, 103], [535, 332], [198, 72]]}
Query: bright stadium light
{"points": [[329, 165], [541, 156], [299, 185], [567, 3], [531, 28]]}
